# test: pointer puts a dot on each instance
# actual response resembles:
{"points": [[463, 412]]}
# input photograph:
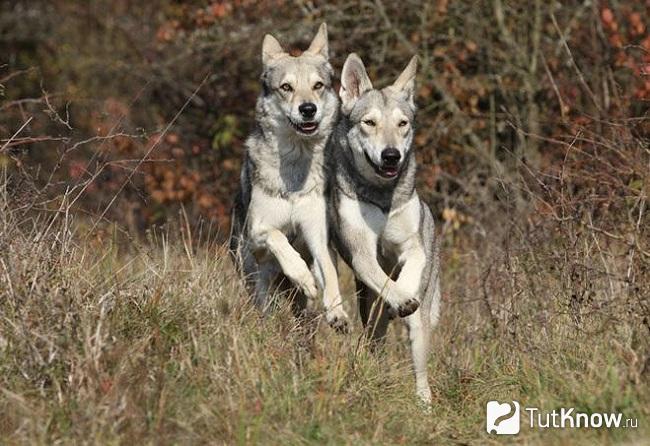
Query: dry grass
{"points": [[533, 148], [154, 344]]}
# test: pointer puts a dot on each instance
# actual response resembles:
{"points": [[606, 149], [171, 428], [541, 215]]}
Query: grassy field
{"points": [[151, 342], [122, 127]]}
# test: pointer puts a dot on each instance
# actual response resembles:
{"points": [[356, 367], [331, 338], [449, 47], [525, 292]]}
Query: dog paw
{"points": [[407, 307], [308, 286], [424, 399], [338, 320]]}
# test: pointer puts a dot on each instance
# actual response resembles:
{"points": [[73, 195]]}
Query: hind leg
{"points": [[299, 301], [306, 317], [267, 271], [419, 338], [373, 312]]}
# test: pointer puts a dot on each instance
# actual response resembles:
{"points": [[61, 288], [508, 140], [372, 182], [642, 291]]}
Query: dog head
{"points": [[381, 121], [298, 93]]}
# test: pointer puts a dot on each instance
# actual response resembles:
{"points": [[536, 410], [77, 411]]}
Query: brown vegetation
{"points": [[119, 116]]}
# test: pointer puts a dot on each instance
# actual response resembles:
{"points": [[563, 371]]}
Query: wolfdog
{"points": [[280, 213], [381, 227]]}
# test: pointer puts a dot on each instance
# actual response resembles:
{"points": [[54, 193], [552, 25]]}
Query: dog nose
{"points": [[390, 156], [307, 110]]}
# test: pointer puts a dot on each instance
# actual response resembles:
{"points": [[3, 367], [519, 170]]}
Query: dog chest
{"points": [[403, 223], [359, 216], [286, 213], [395, 231]]}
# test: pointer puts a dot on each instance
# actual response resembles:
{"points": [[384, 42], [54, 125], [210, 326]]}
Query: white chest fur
{"points": [[288, 213], [396, 231]]}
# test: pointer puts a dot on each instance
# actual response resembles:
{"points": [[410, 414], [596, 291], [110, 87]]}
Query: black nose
{"points": [[307, 110], [390, 157]]}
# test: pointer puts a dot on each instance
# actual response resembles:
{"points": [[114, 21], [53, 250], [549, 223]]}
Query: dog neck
{"points": [[286, 164]]}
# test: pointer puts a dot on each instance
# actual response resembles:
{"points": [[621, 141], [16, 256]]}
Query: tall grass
{"points": [[152, 341], [533, 149]]}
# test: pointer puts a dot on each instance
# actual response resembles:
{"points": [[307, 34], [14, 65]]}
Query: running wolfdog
{"points": [[280, 213], [382, 229]]}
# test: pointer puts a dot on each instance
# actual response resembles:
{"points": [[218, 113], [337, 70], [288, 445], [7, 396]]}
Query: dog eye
{"points": [[369, 122], [403, 123], [286, 87], [318, 85]]}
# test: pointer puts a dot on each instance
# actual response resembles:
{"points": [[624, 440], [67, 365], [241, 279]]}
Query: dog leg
{"points": [[292, 265], [367, 268], [327, 277], [298, 300], [374, 314], [360, 226], [315, 235], [266, 272], [413, 262], [419, 338]]}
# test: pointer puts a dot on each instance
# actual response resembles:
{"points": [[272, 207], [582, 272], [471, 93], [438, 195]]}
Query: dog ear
{"points": [[270, 49], [319, 44], [354, 82], [405, 83]]}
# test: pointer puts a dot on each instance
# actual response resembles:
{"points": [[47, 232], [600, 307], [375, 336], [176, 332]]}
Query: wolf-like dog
{"points": [[381, 227], [279, 221]]}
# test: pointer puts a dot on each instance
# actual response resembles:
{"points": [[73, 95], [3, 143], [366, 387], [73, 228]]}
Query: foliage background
{"points": [[504, 86]]}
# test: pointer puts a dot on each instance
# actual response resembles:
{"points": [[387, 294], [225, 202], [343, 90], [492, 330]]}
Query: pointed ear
{"points": [[405, 83], [270, 49], [354, 82], [319, 44]]}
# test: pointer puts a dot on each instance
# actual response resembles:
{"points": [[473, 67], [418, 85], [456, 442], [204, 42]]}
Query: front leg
{"points": [[367, 269], [359, 227], [413, 261], [292, 265], [327, 276], [314, 230]]}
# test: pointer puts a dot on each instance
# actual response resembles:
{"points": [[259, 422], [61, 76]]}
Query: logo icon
{"points": [[502, 418]]}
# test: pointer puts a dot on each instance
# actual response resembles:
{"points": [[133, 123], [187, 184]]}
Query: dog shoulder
{"points": [[267, 209], [404, 222], [356, 215], [255, 145]]}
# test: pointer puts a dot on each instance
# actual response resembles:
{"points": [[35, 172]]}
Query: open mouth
{"points": [[306, 128], [389, 172]]}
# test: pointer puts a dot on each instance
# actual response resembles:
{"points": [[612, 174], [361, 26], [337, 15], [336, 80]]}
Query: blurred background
{"points": [[140, 109], [121, 131]]}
